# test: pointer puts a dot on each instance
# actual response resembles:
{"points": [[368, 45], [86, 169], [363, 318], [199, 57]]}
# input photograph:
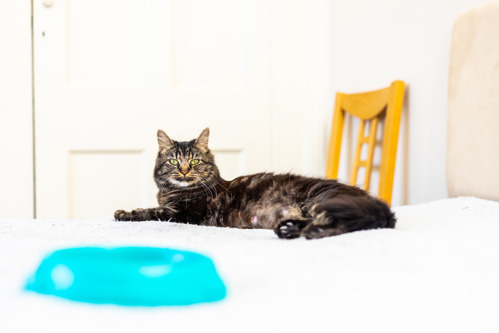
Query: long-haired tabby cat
{"points": [[192, 191]]}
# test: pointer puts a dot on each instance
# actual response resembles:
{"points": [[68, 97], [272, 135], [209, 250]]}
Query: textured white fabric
{"points": [[438, 271]]}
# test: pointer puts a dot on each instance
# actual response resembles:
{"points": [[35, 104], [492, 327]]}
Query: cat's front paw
{"points": [[136, 215], [121, 215]]}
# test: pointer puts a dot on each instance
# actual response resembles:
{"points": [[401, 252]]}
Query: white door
{"points": [[109, 73]]}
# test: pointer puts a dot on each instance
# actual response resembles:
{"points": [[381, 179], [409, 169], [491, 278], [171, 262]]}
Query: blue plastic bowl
{"points": [[134, 276]]}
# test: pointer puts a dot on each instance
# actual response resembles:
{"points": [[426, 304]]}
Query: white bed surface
{"points": [[438, 271]]}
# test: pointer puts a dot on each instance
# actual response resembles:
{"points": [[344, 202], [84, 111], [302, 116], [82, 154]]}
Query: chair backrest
{"points": [[371, 108]]}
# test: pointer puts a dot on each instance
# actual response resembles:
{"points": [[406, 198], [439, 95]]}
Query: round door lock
{"points": [[48, 3]]}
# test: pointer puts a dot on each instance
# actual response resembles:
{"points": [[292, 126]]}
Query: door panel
{"points": [[208, 55], [93, 180], [106, 47]]}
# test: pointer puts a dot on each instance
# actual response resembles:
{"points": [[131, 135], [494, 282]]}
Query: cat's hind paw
{"points": [[320, 231], [290, 229]]}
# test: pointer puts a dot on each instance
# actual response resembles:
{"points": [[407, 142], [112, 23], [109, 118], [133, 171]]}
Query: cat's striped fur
{"points": [[192, 191]]}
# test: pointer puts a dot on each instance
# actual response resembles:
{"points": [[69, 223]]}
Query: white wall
{"points": [[16, 163], [376, 42], [302, 95]]}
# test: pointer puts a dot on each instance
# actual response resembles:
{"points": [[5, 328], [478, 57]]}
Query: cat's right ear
{"points": [[202, 141], [164, 141]]}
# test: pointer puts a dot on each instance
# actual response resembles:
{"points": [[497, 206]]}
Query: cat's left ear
{"points": [[202, 140]]}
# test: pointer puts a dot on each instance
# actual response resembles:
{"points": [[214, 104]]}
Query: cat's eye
{"points": [[173, 162], [194, 162]]}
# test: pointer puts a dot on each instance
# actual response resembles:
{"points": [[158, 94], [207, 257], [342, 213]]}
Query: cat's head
{"points": [[185, 165]]}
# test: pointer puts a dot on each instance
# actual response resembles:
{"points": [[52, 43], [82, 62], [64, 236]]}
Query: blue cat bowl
{"points": [[132, 276]]}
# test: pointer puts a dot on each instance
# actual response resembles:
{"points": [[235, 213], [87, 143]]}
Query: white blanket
{"points": [[438, 271]]}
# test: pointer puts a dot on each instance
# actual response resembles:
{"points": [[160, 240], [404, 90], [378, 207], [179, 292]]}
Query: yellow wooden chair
{"points": [[370, 107]]}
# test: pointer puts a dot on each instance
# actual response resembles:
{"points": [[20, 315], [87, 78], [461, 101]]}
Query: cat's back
{"points": [[268, 186]]}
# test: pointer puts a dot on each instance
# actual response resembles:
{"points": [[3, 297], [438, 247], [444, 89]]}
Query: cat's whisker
{"points": [[213, 190], [216, 181], [203, 186], [208, 189]]}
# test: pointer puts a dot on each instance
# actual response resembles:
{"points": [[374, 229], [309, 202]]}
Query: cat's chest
{"points": [[191, 210]]}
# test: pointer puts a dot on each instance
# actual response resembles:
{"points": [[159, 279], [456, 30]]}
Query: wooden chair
{"points": [[371, 108]]}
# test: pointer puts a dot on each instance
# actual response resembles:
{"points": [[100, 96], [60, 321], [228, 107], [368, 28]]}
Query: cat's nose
{"points": [[184, 172]]}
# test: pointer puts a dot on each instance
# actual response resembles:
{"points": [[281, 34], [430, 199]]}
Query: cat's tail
{"points": [[343, 214]]}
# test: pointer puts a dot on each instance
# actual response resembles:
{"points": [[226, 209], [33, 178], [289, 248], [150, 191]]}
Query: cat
{"points": [[192, 191]]}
